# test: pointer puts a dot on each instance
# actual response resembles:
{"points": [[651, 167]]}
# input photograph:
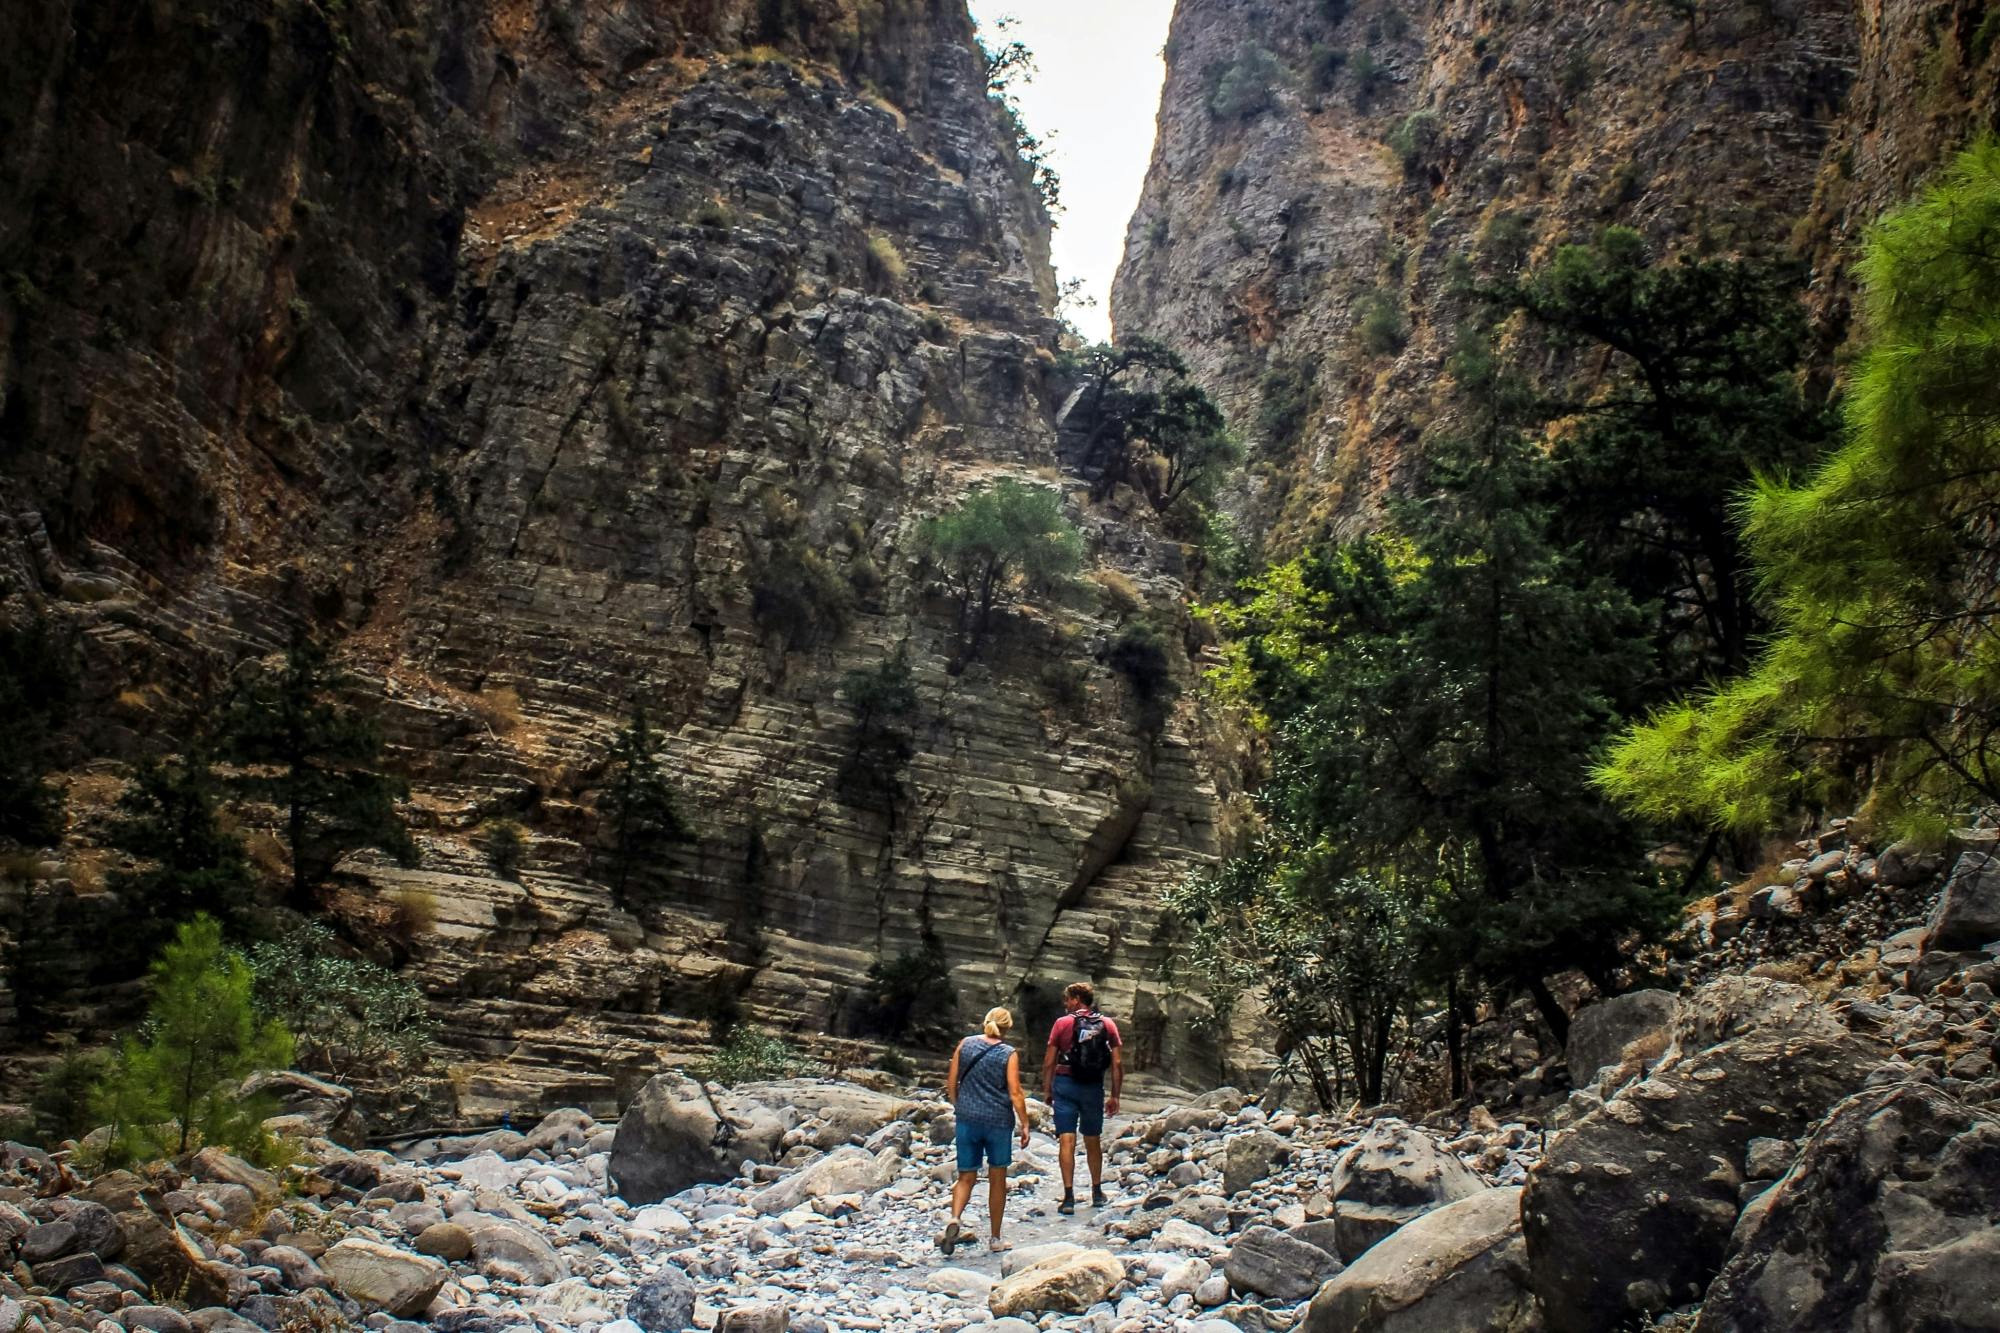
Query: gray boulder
{"points": [[1270, 1263], [1967, 914], [382, 1277], [1602, 1031], [1248, 1158], [663, 1303], [1460, 1269], [1884, 1222], [849, 1170], [1394, 1175], [1654, 1177], [508, 1249], [672, 1136]]}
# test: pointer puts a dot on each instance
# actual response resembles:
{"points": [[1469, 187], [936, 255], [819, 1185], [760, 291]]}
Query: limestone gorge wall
{"points": [[554, 359], [1276, 216]]}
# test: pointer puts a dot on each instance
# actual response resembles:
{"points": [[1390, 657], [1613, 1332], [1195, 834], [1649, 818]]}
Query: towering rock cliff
{"points": [[556, 360], [1321, 165]]}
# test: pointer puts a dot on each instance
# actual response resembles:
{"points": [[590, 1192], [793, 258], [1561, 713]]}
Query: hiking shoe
{"points": [[994, 1245], [947, 1240], [1068, 1206], [1096, 1197]]}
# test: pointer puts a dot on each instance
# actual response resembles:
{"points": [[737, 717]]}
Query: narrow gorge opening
{"points": [[609, 686]]}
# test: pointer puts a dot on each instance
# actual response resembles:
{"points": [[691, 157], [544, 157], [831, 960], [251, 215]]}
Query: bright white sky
{"points": [[1097, 87]]}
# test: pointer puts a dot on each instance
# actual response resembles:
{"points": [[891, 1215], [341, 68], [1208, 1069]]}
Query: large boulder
{"points": [[1394, 1175], [1601, 1031], [1631, 1209], [1967, 914], [1886, 1221], [849, 1170], [1462, 1268], [155, 1246], [1070, 1282], [384, 1278], [832, 1112], [674, 1134], [1249, 1157], [512, 1250], [1266, 1262]]}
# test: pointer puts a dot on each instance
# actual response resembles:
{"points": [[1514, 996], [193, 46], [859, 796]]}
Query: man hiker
{"points": [[1083, 1049]]}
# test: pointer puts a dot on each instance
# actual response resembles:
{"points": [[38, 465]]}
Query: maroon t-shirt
{"points": [[1063, 1036]]}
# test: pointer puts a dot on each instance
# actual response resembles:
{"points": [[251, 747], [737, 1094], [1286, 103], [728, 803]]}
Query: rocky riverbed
{"points": [[1221, 1217]]}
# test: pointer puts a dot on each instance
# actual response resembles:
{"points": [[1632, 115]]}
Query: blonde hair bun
{"points": [[998, 1020]]}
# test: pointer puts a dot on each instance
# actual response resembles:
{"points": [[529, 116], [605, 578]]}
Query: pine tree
{"points": [[37, 689], [169, 816], [174, 1086], [1698, 392], [317, 759], [884, 700], [1881, 680], [639, 809]]}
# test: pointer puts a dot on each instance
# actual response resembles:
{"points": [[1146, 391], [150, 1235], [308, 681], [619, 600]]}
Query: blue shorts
{"points": [[1079, 1106], [991, 1142]]}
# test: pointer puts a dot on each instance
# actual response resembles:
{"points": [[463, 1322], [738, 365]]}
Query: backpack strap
{"points": [[965, 1070]]}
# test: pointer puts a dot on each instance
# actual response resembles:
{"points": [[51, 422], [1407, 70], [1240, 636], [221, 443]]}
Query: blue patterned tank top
{"points": [[982, 1083]]}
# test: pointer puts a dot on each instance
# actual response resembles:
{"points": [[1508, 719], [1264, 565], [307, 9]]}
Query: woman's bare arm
{"points": [[951, 1079], [1014, 1091]]}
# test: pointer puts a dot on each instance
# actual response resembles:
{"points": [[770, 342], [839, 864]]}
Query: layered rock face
{"points": [[1321, 166], [601, 361]]}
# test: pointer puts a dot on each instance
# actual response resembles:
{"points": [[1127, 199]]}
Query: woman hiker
{"points": [[984, 1087]]}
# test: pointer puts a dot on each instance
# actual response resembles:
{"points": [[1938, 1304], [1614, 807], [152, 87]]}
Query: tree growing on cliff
{"points": [[1703, 393], [884, 702], [639, 809], [1003, 542], [37, 688], [297, 745], [1145, 421], [174, 1087], [1881, 678], [170, 817]]}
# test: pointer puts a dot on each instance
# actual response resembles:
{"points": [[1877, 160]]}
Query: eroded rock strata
{"points": [[557, 361], [1321, 168]]}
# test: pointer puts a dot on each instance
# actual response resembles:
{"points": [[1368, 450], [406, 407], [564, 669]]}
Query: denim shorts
{"points": [[1079, 1106], [993, 1142]]}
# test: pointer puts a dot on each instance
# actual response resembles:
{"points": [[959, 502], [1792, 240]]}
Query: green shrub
{"points": [[1986, 35], [1139, 653], [887, 270], [1245, 86], [1506, 239], [505, 847], [348, 1015], [1368, 76], [1380, 325], [797, 595], [884, 700], [909, 996], [173, 1087], [1285, 400], [1067, 684], [1323, 66], [1576, 72], [897, 1065], [1412, 138], [752, 1055]]}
